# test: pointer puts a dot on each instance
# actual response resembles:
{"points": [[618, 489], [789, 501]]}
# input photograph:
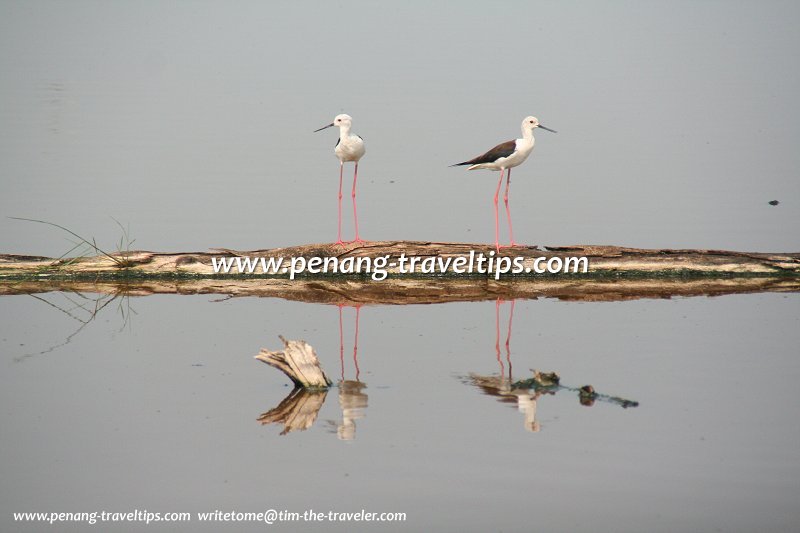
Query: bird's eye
{"points": [[530, 121]]}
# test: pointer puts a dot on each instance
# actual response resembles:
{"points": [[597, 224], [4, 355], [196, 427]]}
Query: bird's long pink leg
{"points": [[355, 210], [497, 337], [339, 233], [496, 216], [508, 338], [508, 211], [355, 344], [510, 323], [341, 341]]}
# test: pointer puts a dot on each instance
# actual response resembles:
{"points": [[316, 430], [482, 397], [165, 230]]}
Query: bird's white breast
{"points": [[350, 148], [524, 149]]}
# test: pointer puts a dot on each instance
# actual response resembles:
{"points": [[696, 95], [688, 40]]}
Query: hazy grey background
{"points": [[192, 121]]}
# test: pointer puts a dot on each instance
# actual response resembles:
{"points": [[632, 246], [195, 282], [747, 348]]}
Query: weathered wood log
{"points": [[613, 273], [603, 261], [299, 361]]}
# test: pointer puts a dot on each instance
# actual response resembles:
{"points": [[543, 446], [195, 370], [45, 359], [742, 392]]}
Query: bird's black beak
{"points": [[324, 127], [548, 129]]}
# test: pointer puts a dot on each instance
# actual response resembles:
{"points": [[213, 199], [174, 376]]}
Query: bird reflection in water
{"points": [[502, 386], [352, 401], [526, 393], [497, 305], [299, 410]]}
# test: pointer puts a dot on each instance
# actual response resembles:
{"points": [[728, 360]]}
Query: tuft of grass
{"points": [[123, 247]]}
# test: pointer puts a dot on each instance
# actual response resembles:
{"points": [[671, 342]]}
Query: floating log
{"points": [[299, 361], [603, 261], [613, 273]]}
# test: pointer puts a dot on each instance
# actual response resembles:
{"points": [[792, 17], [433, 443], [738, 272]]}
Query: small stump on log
{"points": [[299, 361]]}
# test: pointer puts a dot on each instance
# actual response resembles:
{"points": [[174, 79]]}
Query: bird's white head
{"points": [[340, 121], [529, 123], [343, 120]]}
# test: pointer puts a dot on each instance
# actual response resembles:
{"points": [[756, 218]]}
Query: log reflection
{"points": [[297, 412]]}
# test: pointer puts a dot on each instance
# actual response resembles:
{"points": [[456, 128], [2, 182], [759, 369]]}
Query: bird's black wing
{"points": [[501, 150], [338, 141]]}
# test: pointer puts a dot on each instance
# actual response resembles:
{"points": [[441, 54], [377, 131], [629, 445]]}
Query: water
{"points": [[192, 125], [155, 405]]}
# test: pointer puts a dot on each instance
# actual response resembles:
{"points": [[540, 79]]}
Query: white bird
{"points": [[349, 147], [502, 157]]}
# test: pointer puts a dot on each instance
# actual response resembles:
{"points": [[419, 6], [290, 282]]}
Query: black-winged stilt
{"points": [[349, 147], [502, 157]]}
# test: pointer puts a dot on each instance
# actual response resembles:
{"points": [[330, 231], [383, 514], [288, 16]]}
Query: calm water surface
{"points": [[155, 405], [193, 124]]}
